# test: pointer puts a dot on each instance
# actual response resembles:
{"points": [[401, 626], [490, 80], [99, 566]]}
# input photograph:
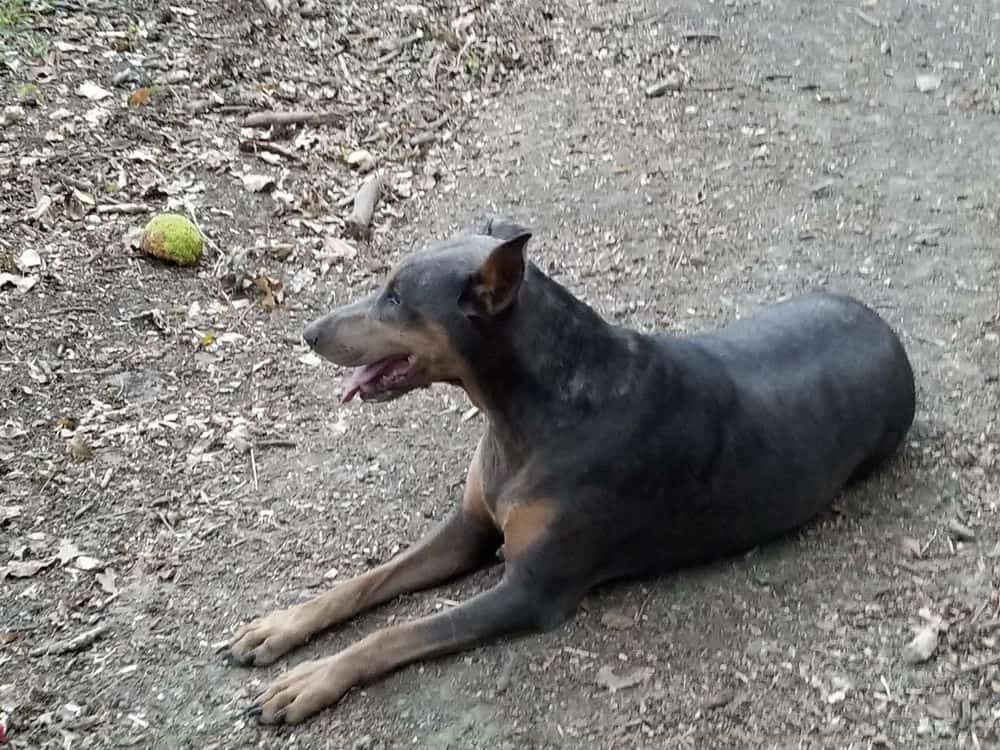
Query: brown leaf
{"points": [[139, 97]]}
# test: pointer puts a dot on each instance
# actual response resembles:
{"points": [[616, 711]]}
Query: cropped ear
{"points": [[493, 287], [501, 227]]}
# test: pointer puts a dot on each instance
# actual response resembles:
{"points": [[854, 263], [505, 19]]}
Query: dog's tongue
{"points": [[362, 376]]}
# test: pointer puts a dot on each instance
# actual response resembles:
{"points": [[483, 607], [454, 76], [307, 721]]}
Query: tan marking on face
{"points": [[523, 524], [437, 359]]}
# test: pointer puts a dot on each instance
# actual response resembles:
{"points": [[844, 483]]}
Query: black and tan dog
{"points": [[607, 453]]}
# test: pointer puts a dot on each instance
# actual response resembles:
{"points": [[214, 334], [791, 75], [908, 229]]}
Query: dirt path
{"points": [[172, 463]]}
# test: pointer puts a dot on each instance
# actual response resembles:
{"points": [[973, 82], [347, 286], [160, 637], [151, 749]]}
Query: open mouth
{"points": [[383, 379]]}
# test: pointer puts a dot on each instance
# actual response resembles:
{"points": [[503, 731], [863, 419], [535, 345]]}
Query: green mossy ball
{"points": [[174, 238]]}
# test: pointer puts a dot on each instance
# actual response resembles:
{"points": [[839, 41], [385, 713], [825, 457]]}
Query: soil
{"points": [[173, 461]]}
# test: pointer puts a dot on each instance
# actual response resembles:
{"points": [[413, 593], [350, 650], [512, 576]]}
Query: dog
{"points": [[607, 453]]}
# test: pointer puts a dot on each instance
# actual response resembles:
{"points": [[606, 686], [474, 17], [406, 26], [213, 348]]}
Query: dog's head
{"points": [[433, 306]]}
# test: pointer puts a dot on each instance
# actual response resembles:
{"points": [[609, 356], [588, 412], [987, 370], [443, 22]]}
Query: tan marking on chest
{"points": [[523, 523], [474, 502]]}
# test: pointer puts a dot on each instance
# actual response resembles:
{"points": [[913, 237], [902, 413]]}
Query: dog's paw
{"points": [[267, 639], [304, 691]]}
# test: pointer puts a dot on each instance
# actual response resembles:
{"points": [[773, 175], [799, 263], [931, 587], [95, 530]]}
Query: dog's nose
{"points": [[311, 334]]}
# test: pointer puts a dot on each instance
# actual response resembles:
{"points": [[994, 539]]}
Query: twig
{"points": [[68, 310], [253, 146], [123, 208], [358, 223], [428, 134], [266, 119], [71, 645], [712, 87], [276, 444], [873, 22], [701, 36], [253, 466], [397, 50], [968, 668]]}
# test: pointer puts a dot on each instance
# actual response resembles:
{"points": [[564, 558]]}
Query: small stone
{"points": [[11, 114], [921, 647], [90, 90], [928, 82], [719, 700], [174, 238], [960, 531], [79, 448], [910, 547], [823, 188], [964, 456], [607, 678], [361, 160], [615, 619], [672, 82]]}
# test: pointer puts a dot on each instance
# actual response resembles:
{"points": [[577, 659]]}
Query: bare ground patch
{"points": [[172, 461]]}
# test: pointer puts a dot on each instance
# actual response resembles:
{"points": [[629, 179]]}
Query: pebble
{"points": [[960, 531], [673, 82], [928, 82], [921, 647]]}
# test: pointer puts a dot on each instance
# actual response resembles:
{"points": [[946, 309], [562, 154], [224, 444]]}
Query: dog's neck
{"points": [[549, 364]]}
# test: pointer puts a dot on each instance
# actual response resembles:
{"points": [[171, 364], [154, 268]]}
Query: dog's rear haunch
{"points": [[607, 453]]}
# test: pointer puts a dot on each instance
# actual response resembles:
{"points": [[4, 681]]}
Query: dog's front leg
{"points": [[508, 607], [459, 545]]}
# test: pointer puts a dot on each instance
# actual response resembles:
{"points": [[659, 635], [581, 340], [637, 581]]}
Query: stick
{"points": [[981, 665], [123, 208], [358, 223], [428, 134], [253, 465], [70, 645], [253, 146], [266, 119]]}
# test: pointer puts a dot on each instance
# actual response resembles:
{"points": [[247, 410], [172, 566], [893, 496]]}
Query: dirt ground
{"points": [[173, 461]]}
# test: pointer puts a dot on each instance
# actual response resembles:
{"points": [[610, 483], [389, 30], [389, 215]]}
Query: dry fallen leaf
{"points": [[337, 249], [258, 183], [79, 448], [271, 290], [607, 678], [23, 284], [7, 512], [139, 97], [361, 160], [92, 91], [85, 562], [67, 552], [26, 569], [106, 581], [28, 260], [42, 208], [922, 646]]}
